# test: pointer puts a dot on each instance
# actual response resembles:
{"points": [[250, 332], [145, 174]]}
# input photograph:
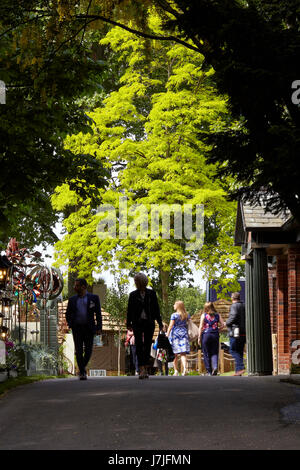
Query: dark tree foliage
{"points": [[45, 69], [254, 47], [47, 63]]}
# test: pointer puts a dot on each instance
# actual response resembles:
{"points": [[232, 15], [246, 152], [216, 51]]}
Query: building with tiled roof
{"points": [[270, 245]]}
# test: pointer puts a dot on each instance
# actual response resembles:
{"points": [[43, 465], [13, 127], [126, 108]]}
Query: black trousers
{"points": [[83, 337], [143, 334]]}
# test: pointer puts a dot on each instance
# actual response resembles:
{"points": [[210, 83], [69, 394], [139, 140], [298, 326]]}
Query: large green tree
{"points": [[193, 298], [45, 63], [253, 46], [146, 134]]}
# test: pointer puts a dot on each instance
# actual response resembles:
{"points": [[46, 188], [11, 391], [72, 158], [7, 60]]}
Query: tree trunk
{"points": [[72, 275], [119, 352], [164, 278]]}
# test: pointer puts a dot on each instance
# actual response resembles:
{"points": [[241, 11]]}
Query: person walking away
{"points": [[164, 351], [130, 341], [178, 336], [142, 311], [237, 332], [209, 337], [83, 316]]}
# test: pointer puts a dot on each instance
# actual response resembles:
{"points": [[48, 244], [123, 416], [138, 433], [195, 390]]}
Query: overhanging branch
{"points": [[139, 33]]}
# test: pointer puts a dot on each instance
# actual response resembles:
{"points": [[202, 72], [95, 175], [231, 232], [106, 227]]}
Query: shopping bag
{"points": [[193, 330]]}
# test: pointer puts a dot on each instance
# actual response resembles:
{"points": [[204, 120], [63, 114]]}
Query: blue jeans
{"points": [[210, 349], [237, 351]]}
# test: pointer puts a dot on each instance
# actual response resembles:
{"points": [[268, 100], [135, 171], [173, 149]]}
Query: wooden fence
{"points": [[195, 362]]}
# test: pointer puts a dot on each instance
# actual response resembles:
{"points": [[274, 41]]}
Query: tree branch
{"points": [[52, 55], [22, 24], [139, 33], [87, 12], [167, 7]]}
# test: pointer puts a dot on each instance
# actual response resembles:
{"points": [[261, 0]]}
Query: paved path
{"points": [[167, 413]]}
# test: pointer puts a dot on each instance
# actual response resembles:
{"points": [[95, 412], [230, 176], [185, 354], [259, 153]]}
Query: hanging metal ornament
{"points": [[24, 289], [40, 278], [48, 282], [58, 283]]}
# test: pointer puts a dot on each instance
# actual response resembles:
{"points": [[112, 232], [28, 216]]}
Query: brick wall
{"points": [[273, 298], [284, 289], [294, 293], [282, 316]]}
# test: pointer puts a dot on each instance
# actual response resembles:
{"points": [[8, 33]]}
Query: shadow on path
{"points": [[168, 413]]}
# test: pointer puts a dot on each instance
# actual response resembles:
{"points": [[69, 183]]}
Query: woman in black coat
{"points": [[142, 311]]}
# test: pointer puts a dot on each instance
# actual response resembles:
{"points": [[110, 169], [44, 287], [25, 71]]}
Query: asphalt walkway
{"points": [[192, 412]]}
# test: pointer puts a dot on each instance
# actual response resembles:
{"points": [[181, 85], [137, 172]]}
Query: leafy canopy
{"points": [[253, 47], [45, 66], [146, 134]]}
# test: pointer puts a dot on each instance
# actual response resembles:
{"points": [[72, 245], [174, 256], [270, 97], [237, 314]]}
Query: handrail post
{"points": [[199, 361], [222, 368]]}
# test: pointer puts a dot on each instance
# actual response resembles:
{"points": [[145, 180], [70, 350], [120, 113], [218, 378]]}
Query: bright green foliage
{"points": [[146, 134], [192, 297], [116, 301], [253, 46]]}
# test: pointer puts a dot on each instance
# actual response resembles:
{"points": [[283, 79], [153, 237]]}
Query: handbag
{"points": [[235, 331], [193, 330], [153, 352], [164, 343]]}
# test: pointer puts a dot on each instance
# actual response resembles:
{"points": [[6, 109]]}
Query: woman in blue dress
{"points": [[178, 335]]}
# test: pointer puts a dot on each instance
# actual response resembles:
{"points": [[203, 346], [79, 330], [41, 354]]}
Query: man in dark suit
{"points": [[80, 315], [142, 311], [237, 332]]}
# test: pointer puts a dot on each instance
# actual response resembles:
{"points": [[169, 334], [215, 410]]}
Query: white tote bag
{"points": [[193, 330]]}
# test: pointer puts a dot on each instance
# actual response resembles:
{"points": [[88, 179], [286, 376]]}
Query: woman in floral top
{"points": [[209, 337]]}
